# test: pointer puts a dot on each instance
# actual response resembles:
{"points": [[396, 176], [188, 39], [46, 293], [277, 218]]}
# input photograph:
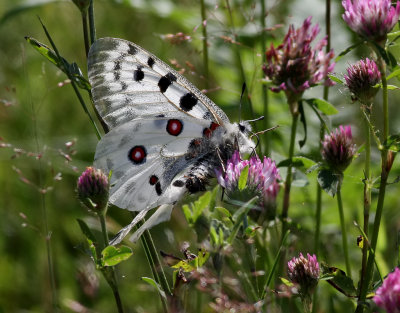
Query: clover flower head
{"points": [[93, 189], [294, 65], [372, 19], [262, 179], [361, 79], [388, 295], [304, 272], [338, 148]]}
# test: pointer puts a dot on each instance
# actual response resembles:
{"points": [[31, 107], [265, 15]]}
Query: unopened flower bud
{"points": [[338, 148], [305, 273], [93, 189], [361, 79]]}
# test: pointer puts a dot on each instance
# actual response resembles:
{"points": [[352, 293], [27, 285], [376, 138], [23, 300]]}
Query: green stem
{"points": [[288, 181], [385, 169], [91, 23], [85, 32], [367, 197], [344, 233], [111, 279], [264, 90], [153, 268], [239, 60], [153, 252], [205, 43]]}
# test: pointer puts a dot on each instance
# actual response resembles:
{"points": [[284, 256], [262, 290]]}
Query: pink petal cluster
{"points": [[388, 295], [304, 272], [361, 78], [93, 189], [372, 19], [338, 148], [294, 65], [262, 178]]}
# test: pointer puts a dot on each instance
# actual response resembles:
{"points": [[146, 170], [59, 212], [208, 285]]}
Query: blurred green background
{"points": [[46, 141]]}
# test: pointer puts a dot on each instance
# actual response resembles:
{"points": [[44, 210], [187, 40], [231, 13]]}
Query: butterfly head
{"points": [[244, 143]]}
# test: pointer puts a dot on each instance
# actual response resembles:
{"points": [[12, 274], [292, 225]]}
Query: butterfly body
{"points": [[164, 137]]}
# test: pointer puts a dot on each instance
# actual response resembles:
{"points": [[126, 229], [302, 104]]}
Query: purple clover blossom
{"points": [[262, 178], [294, 65], [361, 79], [338, 148], [388, 295], [372, 19], [304, 272], [93, 189]]}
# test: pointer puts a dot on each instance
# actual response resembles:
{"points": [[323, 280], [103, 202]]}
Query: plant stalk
{"points": [[385, 169], [111, 279], [85, 31], [205, 43], [344, 233], [288, 180], [264, 90], [92, 27], [367, 197]]}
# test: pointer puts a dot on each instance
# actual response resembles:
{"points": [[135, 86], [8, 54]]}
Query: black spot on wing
{"points": [[117, 65], [158, 188], [188, 101], [117, 75], [150, 62], [178, 183], [124, 86], [166, 81], [207, 116], [138, 74], [132, 49]]}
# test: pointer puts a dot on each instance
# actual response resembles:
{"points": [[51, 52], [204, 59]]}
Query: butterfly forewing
{"points": [[128, 82]]}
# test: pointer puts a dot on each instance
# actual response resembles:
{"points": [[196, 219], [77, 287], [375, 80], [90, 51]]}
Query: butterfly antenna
{"points": [[263, 131], [240, 103]]}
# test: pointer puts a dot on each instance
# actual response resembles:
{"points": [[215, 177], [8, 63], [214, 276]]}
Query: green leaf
{"points": [[393, 143], [329, 181], [381, 51], [338, 279], [86, 230], [71, 70], [153, 283], [113, 255], [343, 53], [395, 73], [298, 162], [202, 257], [188, 213], [45, 51], [336, 79], [238, 218], [243, 178], [322, 105], [185, 266], [286, 282]]}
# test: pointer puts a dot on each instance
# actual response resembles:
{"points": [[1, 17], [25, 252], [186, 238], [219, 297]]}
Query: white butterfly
{"points": [[165, 137]]}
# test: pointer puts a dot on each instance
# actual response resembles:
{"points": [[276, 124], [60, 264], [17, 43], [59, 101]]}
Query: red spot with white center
{"points": [[174, 127], [137, 154]]}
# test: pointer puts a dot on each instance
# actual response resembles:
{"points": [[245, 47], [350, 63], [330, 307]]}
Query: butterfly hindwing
{"points": [[147, 156], [128, 82]]}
